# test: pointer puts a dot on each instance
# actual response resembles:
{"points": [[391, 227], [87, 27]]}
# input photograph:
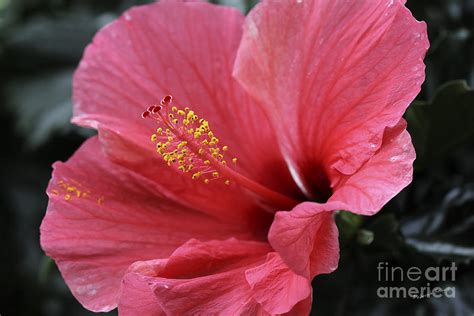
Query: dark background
{"points": [[431, 223]]}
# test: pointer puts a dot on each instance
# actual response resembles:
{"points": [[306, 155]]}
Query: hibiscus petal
{"points": [[307, 238], [276, 287], [302, 308], [294, 234], [137, 298], [201, 278], [333, 75], [382, 177], [183, 49], [94, 230], [228, 203]]}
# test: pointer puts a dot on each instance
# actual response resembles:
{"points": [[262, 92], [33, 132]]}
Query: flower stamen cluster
{"points": [[187, 142]]}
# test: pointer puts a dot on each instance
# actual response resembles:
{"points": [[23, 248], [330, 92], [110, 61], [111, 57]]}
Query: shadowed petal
{"points": [[226, 202], [186, 50], [382, 177], [137, 298], [102, 217], [202, 278], [276, 287], [307, 238], [333, 75], [296, 235]]}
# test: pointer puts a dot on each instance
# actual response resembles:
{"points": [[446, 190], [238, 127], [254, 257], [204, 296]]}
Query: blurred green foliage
{"points": [[440, 125], [430, 223]]}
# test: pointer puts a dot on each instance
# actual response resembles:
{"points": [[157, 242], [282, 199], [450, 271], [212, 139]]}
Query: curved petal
{"points": [[203, 278], [382, 177], [183, 49], [333, 75], [94, 230], [137, 298], [228, 203], [276, 287], [302, 308], [307, 238], [296, 235]]}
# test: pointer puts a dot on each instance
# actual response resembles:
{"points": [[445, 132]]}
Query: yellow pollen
{"points": [[189, 143]]}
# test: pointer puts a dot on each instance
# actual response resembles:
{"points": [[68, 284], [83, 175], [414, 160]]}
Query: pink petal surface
{"points": [[276, 287], [298, 234], [227, 277], [333, 75], [137, 298], [94, 230], [201, 278], [228, 203], [382, 177], [183, 49], [325, 80], [302, 308], [307, 238]]}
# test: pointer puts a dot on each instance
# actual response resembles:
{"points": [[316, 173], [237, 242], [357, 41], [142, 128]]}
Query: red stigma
{"points": [[153, 109], [166, 100]]}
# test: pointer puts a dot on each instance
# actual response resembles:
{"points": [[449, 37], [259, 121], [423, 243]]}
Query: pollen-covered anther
{"points": [[186, 142]]}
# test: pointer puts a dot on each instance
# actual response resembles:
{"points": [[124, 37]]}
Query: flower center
{"points": [[187, 143]]}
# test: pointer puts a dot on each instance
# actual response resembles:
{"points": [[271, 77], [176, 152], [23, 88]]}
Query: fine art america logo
{"points": [[431, 275]]}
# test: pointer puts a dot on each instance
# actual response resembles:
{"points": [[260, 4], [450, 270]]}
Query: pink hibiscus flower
{"points": [[307, 95]]}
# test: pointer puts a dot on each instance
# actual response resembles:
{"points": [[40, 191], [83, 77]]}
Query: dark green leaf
{"points": [[45, 41], [440, 125], [348, 224], [41, 105]]}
